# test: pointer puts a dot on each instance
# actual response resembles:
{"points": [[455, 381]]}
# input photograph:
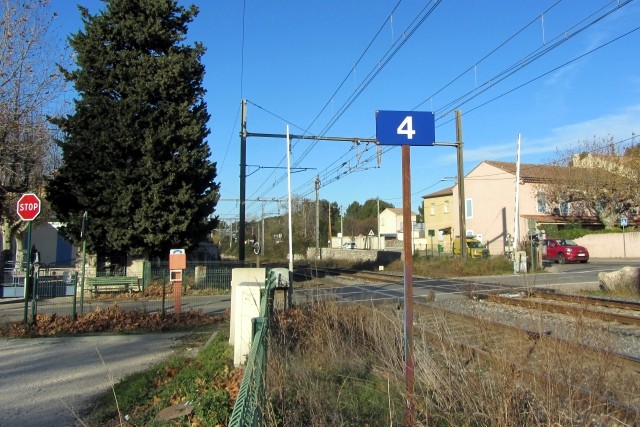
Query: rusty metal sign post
{"points": [[406, 128]]}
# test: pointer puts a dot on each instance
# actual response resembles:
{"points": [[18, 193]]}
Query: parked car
{"points": [[475, 248], [564, 250], [349, 245]]}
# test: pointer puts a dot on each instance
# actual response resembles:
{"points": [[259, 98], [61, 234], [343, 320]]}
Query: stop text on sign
{"points": [[28, 207]]}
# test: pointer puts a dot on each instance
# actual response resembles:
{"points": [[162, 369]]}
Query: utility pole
{"points": [[243, 178], [341, 220], [262, 236], [516, 217], [378, 222], [460, 178], [317, 185], [329, 245], [461, 200]]}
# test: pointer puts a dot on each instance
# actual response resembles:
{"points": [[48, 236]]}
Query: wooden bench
{"points": [[112, 283]]}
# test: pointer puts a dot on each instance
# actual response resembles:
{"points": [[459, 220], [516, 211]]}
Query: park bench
{"points": [[112, 283]]}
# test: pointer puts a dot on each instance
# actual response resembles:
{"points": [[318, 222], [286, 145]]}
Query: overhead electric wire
{"points": [[353, 67], [486, 56], [340, 86], [522, 63], [386, 58], [384, 61], [461, 100], [565, 64], [390, 53], [546, 73]]}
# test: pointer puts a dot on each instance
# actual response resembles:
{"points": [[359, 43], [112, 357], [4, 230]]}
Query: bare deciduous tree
{"points": [[29, 81], [599, 179]]}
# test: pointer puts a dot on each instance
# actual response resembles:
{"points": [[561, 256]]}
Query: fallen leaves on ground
{"points": [[111, 319]]}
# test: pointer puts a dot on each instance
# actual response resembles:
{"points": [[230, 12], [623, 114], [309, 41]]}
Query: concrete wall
{"points": [[362, 242], [356, 255], [614, 245]]}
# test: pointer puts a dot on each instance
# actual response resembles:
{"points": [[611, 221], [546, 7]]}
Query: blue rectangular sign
{"points": [[405, 128]]}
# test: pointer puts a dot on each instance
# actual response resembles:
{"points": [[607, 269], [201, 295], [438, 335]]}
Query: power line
{"points": [[391, 52], [528, 60], [536, 54]]}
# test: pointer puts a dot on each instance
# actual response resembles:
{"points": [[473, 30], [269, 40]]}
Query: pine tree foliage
{"points": [[134, 150]]}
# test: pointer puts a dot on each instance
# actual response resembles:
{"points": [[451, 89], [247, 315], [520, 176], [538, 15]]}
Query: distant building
{"points": [[53, 249], [490, 204], [391, 223], [440, 213]]}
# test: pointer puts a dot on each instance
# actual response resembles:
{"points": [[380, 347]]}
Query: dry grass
{"points": [[342, 365], [455, 267]]}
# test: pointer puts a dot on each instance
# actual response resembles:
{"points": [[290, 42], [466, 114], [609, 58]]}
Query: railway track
{"points": [[591, 300], [369, 276], [573, 305]]}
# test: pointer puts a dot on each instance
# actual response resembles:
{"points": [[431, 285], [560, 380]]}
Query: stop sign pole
{"points": [[28, 208]]}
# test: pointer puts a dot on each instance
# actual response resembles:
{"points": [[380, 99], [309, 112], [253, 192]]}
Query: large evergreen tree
{"points": [[134, 150]]}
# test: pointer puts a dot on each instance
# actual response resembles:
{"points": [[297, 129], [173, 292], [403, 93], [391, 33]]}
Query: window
{"points": [[468, 207], [541, 203], [564, 208], [433, 209], [446, 206]]}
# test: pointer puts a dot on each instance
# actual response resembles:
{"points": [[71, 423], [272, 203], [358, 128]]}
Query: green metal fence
{"points": [[249, 406], [62, 292]]}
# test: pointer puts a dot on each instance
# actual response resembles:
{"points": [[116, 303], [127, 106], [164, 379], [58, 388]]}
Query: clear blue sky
{"points": [[325, 67]]}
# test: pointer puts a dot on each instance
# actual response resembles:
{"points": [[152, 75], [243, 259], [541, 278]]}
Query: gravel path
{"points": [[44, 380]]}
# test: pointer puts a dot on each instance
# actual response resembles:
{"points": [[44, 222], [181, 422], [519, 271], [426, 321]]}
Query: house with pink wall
{"points": [[490, 203]]}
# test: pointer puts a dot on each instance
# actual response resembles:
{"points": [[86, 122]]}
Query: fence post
{"points": [[146, 274], [164, 293], [34, 295], [75, 295]]}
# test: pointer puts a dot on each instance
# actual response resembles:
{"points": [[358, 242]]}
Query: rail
{"points": [[580, 307]]}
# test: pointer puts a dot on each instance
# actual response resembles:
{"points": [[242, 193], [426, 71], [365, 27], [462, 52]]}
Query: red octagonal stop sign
{"points": [[28, 207]]}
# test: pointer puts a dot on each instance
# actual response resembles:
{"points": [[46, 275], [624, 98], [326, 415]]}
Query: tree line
{"points": [[357, 219]]}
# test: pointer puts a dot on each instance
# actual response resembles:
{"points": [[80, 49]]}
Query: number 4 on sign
{"points": [[406, 127]]}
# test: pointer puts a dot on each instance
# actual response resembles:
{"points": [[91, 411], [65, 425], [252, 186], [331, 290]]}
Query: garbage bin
{"points": [[440, 248]]}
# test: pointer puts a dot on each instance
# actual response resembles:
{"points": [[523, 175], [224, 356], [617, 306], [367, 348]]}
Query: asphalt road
{"points": [[566, 277], [43, 381]]}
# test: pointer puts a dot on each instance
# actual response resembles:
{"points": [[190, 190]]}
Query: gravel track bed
{"points": [[609, 336]]}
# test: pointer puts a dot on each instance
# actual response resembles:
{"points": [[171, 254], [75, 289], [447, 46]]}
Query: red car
{"points": [[564, 250]]}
